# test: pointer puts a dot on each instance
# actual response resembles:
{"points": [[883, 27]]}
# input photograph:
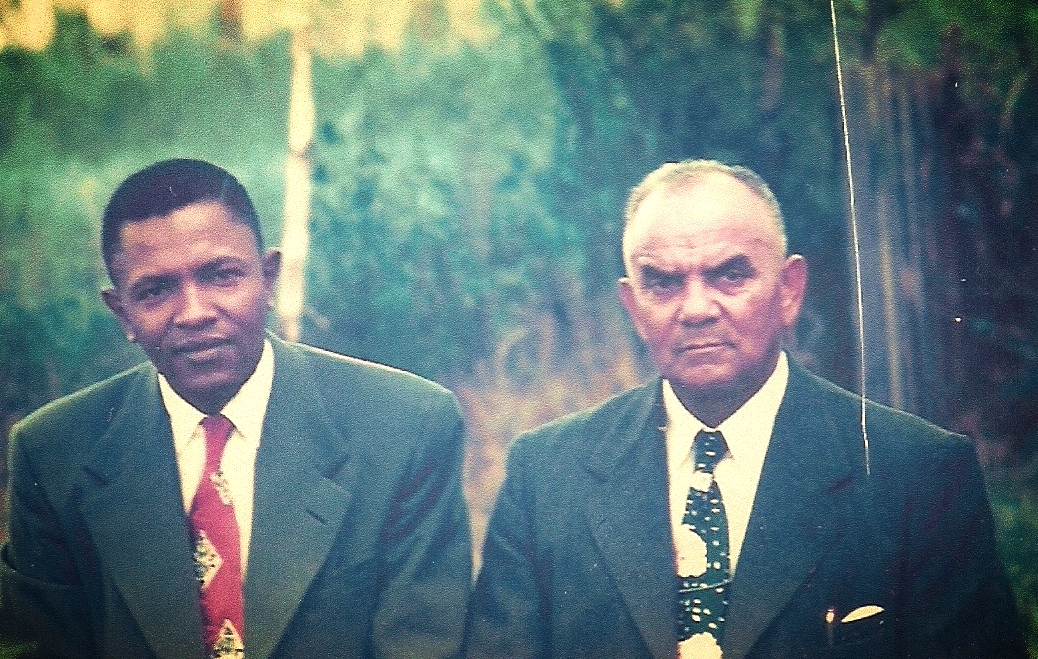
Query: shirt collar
{"points": [[747, 431], [246, 410]]}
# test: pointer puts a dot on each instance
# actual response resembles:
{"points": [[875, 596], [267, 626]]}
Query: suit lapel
{"points": [[628, 515], [302, 492], [795, 514], [133, 507]]}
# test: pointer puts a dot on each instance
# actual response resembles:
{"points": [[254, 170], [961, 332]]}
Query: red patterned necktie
{"points": [[217, 550]]}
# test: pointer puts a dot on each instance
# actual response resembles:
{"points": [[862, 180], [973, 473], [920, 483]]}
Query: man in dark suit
{"points": [[733, 507], [238, 495]]}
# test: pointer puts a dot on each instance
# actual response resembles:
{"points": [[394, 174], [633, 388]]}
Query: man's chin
{"points": [[703, 378], [208, 391], [718, 384]]}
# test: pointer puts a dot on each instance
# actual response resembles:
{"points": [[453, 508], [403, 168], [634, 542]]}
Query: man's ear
{"points": [[626, 292], [115, 304], [271, 266], [794, 286]]}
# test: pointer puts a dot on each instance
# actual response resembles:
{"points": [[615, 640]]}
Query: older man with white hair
{"points": [[727, 508]]}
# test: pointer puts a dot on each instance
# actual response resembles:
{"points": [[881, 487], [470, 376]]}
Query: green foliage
{"points": [[12, 651], [1016, 518], [659, 82], [430, 237], [50, 313], [913, 33]]}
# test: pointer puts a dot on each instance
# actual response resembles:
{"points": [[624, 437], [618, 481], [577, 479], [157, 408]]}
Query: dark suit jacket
{"points": [[360, 542], [578, 559]]}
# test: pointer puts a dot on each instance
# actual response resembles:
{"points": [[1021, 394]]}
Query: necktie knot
{"points": [[708, 448], [217, 429]]}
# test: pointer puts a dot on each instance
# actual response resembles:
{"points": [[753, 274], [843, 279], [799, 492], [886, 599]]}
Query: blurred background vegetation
{"points": [[460, 170]]}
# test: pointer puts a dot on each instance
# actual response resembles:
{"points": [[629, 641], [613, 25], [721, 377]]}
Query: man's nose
{"points": [[698, 304], [195, 308]]}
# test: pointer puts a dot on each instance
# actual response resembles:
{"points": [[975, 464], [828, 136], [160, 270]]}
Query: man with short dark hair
{"points": [[237, 495], [731, 507]]}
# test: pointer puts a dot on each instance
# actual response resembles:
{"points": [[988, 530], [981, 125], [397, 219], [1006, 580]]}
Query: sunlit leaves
{"points": [[748, 14], [31, 24], [348, 27], [340, 28]]}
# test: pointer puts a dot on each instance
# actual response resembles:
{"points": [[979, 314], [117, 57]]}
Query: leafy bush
{"points": [[1016, 522], [430, 236]]}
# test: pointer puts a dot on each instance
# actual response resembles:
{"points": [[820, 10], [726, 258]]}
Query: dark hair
{"points": [[167, 186]]}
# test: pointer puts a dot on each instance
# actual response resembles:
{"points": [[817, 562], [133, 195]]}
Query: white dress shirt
{"points": [[246, 412], [747, 433]]}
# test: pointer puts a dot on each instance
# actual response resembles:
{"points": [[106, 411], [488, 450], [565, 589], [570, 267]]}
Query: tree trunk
{"points": [[295, 235]]}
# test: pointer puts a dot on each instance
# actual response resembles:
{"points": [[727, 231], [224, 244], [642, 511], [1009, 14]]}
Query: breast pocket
{"points": [[860, 624], [866, 637]]}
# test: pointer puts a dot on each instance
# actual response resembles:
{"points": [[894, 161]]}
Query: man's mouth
{"points": [[703, 346], [200, 349]]}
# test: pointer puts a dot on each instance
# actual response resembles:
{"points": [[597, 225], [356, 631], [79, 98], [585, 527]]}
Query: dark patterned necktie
{"points": [[218, 550], [703, 592]]}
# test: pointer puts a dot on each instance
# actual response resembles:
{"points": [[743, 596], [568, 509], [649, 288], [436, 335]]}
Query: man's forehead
{"points": [[206, 220], [710, 213], [185, 239], [703, 251]]}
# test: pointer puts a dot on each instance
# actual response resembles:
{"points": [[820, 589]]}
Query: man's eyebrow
{"points": [[150, 280], [739, 261], [652, 270], [219, 262]]}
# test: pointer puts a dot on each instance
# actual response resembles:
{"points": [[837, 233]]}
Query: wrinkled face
{"points": [[193, 290], [709, 288]]}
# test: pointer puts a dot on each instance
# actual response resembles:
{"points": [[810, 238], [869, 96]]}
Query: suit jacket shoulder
{"points": [[62, 434], [402, 412], [386, 448], [363, 375], [838, 401], [599, 432], [94, 403], [901, 446]]}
